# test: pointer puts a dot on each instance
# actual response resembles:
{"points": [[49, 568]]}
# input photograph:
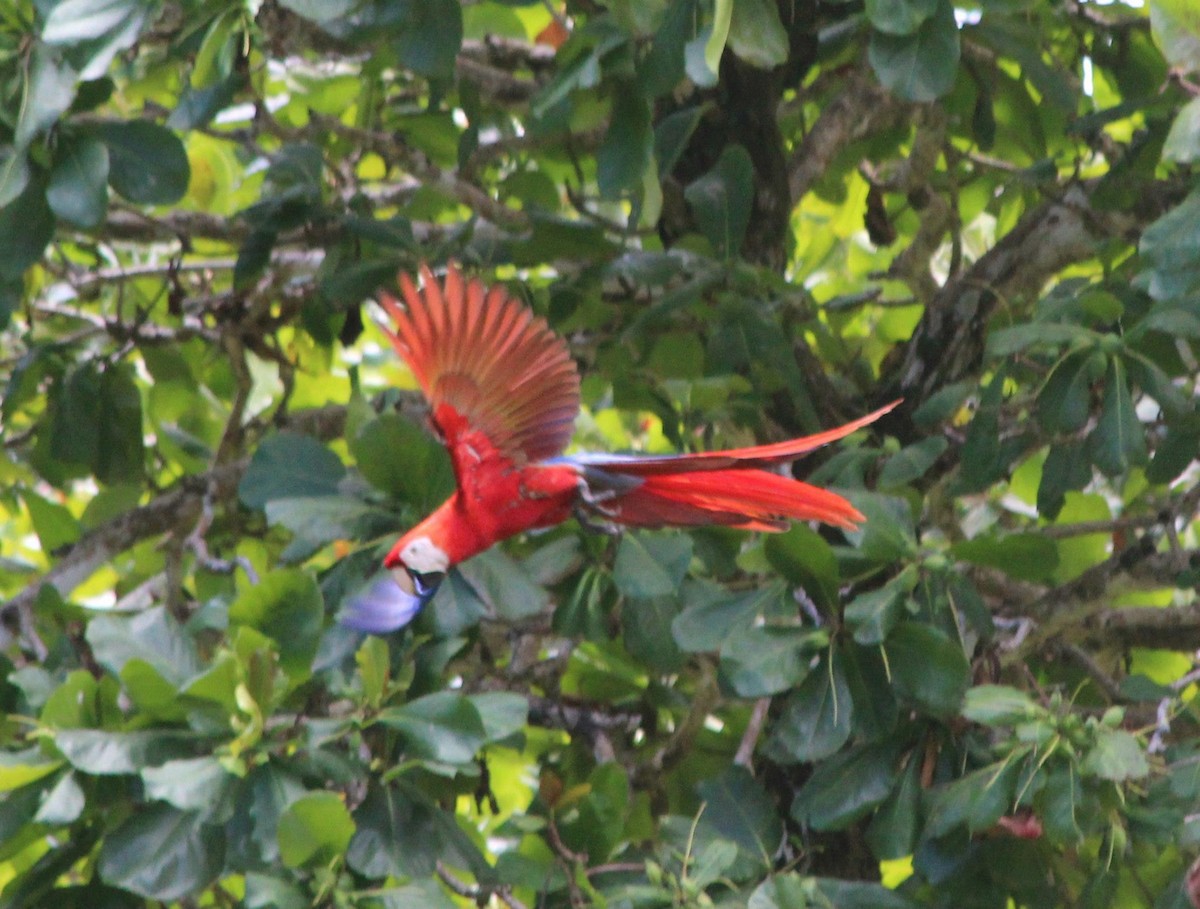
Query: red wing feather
{"points": [[749, 499], [489, 358], [754, 456]]}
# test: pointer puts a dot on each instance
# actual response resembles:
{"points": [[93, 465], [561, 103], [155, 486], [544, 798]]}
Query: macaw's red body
{"points": [[504, 394]]}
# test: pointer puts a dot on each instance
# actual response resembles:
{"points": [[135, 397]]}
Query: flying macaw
{"points": [[503, 393]]}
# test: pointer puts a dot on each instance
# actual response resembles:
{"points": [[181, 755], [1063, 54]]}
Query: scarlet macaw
{"points": [[504, 393]]}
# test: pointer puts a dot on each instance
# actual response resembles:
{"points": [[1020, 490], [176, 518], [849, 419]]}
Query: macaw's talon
{"points": [[587, 520], [503, 396]]}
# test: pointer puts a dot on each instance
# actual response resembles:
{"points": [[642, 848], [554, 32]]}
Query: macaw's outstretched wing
{"points": [[486, 364], [716, 487]]}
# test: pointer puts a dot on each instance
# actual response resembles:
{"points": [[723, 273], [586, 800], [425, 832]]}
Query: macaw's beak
{"points": [[385, 604]]}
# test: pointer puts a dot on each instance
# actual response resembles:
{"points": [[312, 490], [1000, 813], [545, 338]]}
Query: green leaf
{"points": [[739, 809], [317, 520], [1116, 755], [77, 21], [104, 753], [153, 636], [285, 605], [663, 67], [162, 853], [502, 713], [859, 895], [722, 199], [267, 792], [288, 465], [888, 534], [601, 818], [54, 524], [920, 66], [912, 462], [254, 255], [983, 460], [120, 450], [215, 58], [147, 162], [875, 709], [266, 892], [198, 784], [314, 830], [430, 36], [703, 627], [1174, 454], [26, 227], [97, 423], [647, 622], [1175, 25], [782, 891], [78, 188], [817, 717], [1067, 468], [398, 457], [671, 137], [651, 564], [442, 727], [757, 35], [1064, 400], [584, 613], [19, 768], [1059, 806], [14, 174], [761, 660], [456, 607], [402, 833], [320, 10], [1170, 251], [1183, 141], [806, 560], [875, 613], [975, 801], [928, 669], [899, 17], [1028, 556], [845, 788], [63, 804], [1000, 705], [1173, 318], [420, 894], [1119, 440], [1004, 342], [894, 829], [49, 93], [628, 146], [505, 586]]}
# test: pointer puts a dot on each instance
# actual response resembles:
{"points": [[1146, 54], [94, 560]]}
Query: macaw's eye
{"points": [[426, 582]]}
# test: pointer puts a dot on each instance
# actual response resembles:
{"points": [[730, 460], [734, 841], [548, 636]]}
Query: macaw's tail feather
{"points": [[754, 456], [746, 499]]}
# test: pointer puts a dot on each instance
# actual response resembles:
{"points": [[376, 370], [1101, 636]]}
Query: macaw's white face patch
{"points": [[423, 556]]}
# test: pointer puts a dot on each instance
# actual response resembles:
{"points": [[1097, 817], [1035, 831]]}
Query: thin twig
{"points": [[475, 892], [758, 715]]}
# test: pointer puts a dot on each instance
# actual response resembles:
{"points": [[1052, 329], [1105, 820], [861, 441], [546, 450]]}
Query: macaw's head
{"points": [[412, 572]]}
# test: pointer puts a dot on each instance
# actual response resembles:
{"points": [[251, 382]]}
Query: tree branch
{"points": [[863, 108]]}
